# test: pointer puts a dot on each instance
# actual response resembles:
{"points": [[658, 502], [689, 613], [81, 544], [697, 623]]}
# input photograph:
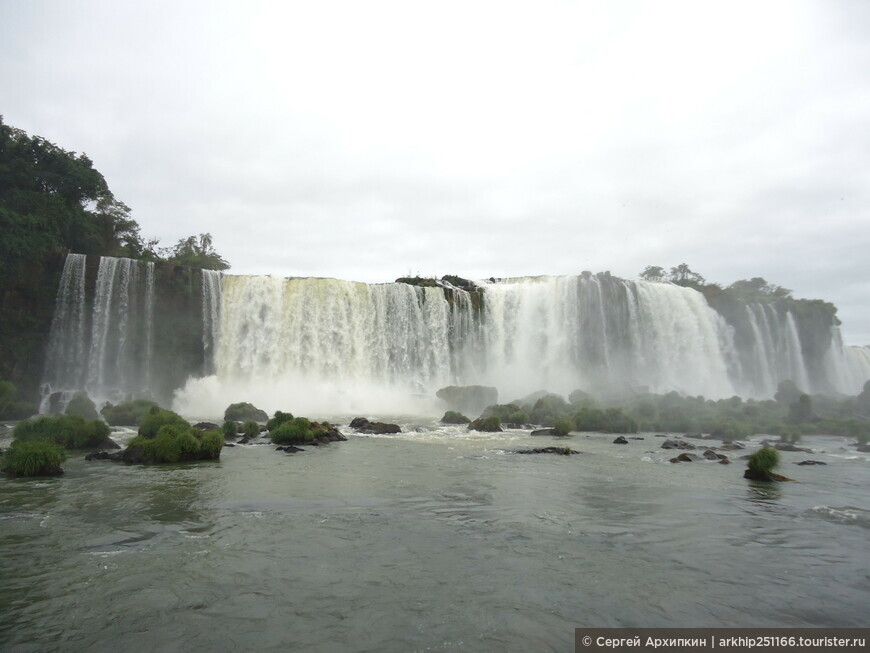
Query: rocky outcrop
{"points": [[677, 444], [468, 399], [243, 412], [363, 425], [559, 451]]}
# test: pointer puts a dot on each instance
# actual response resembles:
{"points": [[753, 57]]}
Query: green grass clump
{"points": [[34, 458], [68, 431], [454, 417], [156, 418], [82, 405], [491, 424], [518, 417], [129, 413], [562, 427], [299, 429], [230, 429], [174, 443], [250, 429], [764, 461], [279, 419]]}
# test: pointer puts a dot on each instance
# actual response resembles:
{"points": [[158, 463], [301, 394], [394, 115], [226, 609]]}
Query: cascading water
{"points": [[324, 345], [104, 346], [211, 317]]}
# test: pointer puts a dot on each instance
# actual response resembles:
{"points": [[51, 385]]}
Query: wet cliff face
{"points": [[124, 329], [27, 305]]}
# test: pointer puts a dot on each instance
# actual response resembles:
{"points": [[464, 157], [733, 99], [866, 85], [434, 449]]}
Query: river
{"points": [[435, 540]]}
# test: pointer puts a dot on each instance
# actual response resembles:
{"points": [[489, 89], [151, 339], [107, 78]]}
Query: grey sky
{"points": [[368, 140]]}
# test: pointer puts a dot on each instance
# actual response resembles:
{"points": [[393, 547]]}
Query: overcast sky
{"points": [[369, 140]]}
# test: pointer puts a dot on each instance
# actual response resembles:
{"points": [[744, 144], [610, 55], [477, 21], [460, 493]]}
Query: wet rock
{"points": [[677, 444], [244, 411], [207, 426], [811, 462], [363, 425], [863, 448], [620, 440], [469, 399], [559, 451], [636, 438], [732, 446], [686, 458], [544, 432], [788, 446], [98, 455], [108, 443], [761, 476], [289, 449]]}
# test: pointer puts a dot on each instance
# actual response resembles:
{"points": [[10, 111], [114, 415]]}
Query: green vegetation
{"points": [[454, 417], [34, 458], [250, 429], [295, 431], [82, 405], [68, 431], [562, 427], [279, 419], [156, 418], [174, 443], [129, 413], [10, 407], [763, 462], [491, 424], [230, 428], [244, 411]]}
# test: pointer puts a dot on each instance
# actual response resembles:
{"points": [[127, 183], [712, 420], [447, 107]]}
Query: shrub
{"points": [[230, 429], [156, 418], [250, 429], [589, 419], [296, 430], [454, 417], [562, 427], [211, 445], [279, 419], [82, 405], [518, 417], [174, 443], [491, 424], [763, 462], [69, 431], [129, 413], [34, 458]]}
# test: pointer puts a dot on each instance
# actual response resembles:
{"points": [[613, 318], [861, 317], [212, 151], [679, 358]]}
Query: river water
{"points": [[437, 540]]}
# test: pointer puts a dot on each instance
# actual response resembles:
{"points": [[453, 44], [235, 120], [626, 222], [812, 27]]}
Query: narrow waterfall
{"points": [[102, 343], [211, 317]]}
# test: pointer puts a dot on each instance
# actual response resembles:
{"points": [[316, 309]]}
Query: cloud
{"points": [[369, 140]]}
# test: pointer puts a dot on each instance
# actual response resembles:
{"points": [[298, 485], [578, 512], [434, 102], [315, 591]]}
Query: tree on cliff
{"points": [[197, 252], [54, 200], [653, 273], [683, 275]]}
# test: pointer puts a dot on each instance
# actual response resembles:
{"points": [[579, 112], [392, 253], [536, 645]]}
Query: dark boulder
{"points": [[677, 444], [468, 399], [686, 458], [620, 440], [756, 475], [544, 432], [732, 446], [863, 448], [811, 462], [289, 449], [207, 426], [363, 425], [454, 417], [559, 451]]}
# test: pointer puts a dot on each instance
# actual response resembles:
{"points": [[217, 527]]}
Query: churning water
{"points": [[437, 540]]}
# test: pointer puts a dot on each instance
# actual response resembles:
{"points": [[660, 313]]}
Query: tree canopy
{"points": [[52, 199]]}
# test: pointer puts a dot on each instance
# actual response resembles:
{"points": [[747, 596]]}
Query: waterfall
{"points": [[126, 329], [211, 312], [102, 344]]}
